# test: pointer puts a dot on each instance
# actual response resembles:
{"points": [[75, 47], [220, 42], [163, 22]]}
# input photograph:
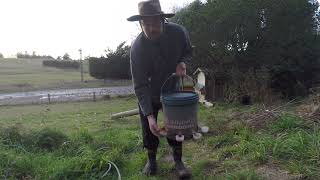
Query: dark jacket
{"points": [[153, 62]]}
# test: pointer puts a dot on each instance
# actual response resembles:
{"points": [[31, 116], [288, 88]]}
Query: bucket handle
{"points": [[182, 84]]}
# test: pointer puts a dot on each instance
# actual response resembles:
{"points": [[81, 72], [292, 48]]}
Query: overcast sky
{"points": [[55, 27]]}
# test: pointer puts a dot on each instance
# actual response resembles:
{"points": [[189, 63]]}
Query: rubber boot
{"points": [[150, 169], [183, 172]]}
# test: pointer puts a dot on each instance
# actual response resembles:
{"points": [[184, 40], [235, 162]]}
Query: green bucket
{"points": [[180, 110]]}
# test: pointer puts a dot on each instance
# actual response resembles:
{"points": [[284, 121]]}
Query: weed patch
{"points": [[48, 139]]}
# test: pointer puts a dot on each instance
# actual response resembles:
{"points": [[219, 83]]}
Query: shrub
{"points": [[63, 64]]}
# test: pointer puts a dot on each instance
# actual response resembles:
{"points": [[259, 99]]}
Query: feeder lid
{"points": [[180, 98]]}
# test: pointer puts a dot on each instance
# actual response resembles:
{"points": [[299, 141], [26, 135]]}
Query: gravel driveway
{"points": [[62, 95]]}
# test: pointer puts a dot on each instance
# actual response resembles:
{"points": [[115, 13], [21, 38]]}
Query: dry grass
{"points": [[310, 108]]}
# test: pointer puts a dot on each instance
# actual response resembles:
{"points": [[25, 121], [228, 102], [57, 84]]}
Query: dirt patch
{"points": [[272, 172], [168, 158], [260, 119], [256, 120], [310, 108], [213, 168]]}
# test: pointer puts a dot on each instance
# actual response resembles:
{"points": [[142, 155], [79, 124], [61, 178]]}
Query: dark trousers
{"points": [[150, 141]]}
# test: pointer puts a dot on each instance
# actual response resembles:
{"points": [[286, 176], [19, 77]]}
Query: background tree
{"points": [[115, 65], [245, 36], [66, 56]]}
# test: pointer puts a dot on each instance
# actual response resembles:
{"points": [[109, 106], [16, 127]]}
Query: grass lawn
{"points": [[28, 74], [78, 141]]}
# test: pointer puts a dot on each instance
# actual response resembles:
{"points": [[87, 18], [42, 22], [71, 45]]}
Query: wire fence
{"points": [[60, 96]]}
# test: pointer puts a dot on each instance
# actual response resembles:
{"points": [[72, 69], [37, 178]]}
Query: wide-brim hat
{"points": [[149, 8]]}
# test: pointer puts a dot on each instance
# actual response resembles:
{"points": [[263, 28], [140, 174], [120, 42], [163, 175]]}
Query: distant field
{"points": [[28, 74]]}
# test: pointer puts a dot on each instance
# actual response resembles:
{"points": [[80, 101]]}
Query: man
{"points": [[159, 50]]}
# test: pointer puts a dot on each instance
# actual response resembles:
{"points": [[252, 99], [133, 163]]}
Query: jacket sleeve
{"points": [[141, 82], [187, 47]]}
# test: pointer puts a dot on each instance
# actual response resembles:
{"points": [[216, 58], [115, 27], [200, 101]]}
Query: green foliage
{"points": [[292, 146], [251, 35], [285, 123], [116, 64]]}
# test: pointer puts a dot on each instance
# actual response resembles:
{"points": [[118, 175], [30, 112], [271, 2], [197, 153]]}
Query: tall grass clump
{"points": [[287, 123], [51, 154], [49, 139], [289, 141]]}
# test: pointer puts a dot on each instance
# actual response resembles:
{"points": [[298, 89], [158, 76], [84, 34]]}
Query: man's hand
{"points": [[181, 69], [153, 126]]}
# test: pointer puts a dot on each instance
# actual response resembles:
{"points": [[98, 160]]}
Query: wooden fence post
{"points": [[94, 96], [49, 98]]}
